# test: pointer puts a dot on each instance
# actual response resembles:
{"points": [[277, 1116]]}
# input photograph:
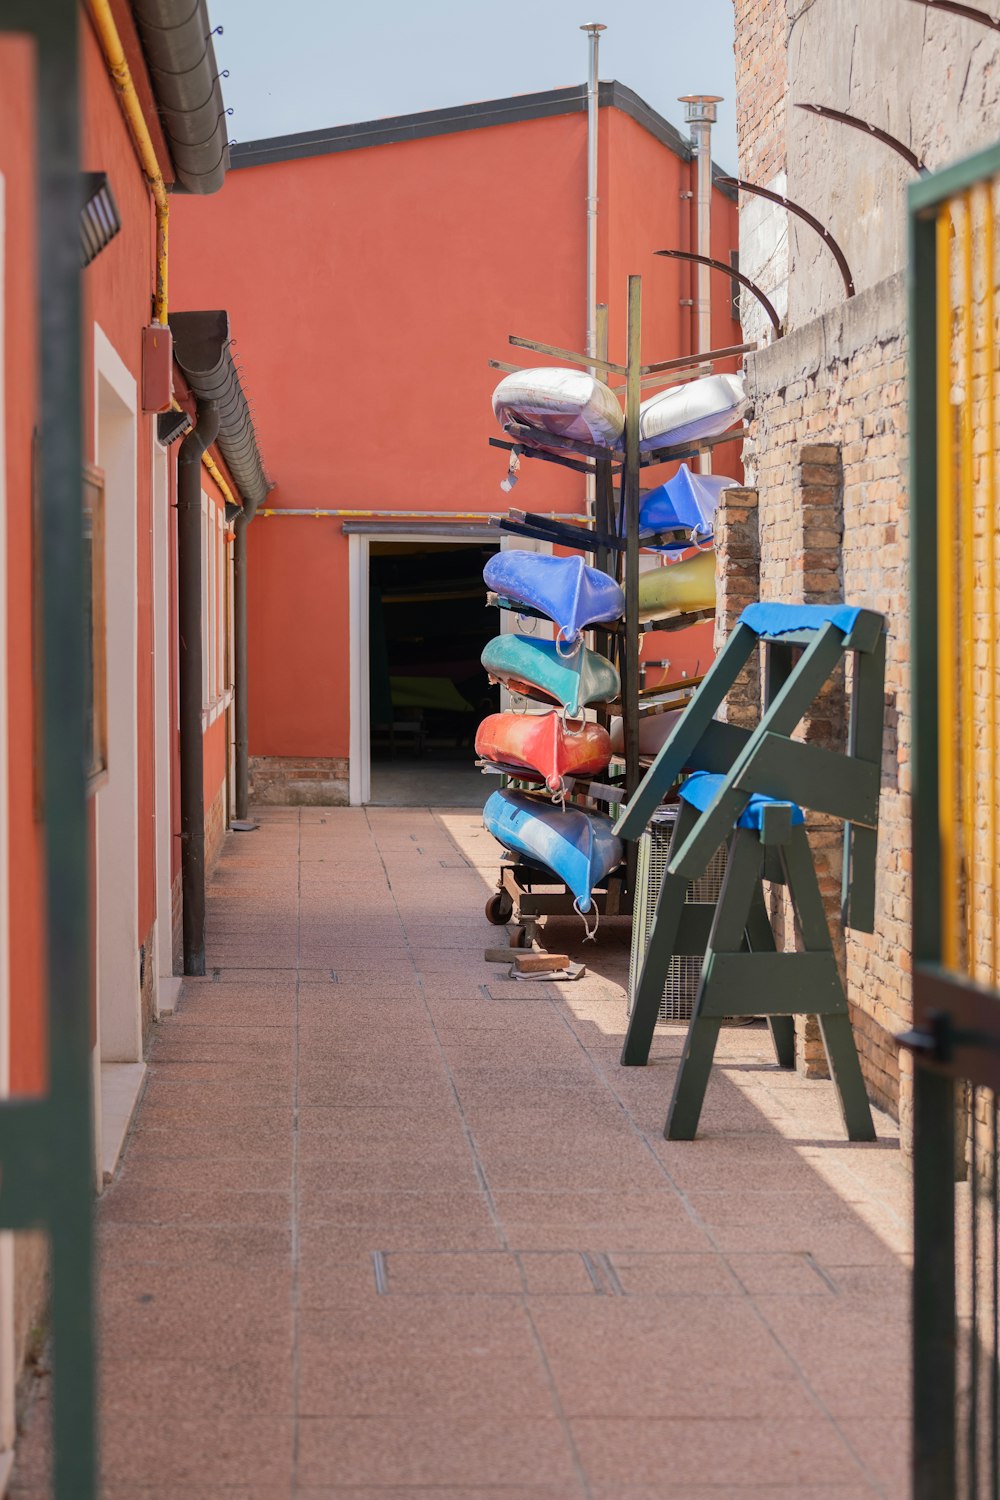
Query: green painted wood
{"points": [[760, 935], [935, 1323], [824, 781], [803, 887], [663, 937], [728, 934], [778, 984], [676, 753], [46, 1145], [864, 745], [928, 193], [776, 824], [718, 747], [842, 1055], [790, 703]]}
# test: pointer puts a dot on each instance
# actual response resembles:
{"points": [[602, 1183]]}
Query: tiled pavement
{"points": [[391, 1225]]}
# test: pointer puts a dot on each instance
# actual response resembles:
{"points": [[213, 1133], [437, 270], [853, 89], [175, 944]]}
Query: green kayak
{"points": [[534, 668]]}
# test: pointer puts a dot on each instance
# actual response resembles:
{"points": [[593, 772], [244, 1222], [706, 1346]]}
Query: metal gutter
{"points": [[202, 349], [121, 77], [176, 38]]}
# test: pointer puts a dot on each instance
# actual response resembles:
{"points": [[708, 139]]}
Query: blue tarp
{"points": [[779, 619], [702, 787]]}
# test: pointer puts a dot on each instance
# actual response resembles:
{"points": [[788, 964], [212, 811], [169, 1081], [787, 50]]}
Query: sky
{"points": [[306, 64]]}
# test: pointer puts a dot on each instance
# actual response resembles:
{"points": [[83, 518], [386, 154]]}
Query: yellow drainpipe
{"points": [[114, 55]]}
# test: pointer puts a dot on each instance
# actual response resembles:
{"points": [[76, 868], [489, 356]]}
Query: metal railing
{"points": [[955, 1043]]}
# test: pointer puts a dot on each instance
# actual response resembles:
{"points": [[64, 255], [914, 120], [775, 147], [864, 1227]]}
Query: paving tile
{"points": [[434, 1452], [720, 1451], [300, 1221], [221, 1451]]}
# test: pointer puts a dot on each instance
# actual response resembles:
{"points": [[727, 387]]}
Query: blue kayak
{"points": [[564, 588], [579, 847], [538, 669], [686, 502]]}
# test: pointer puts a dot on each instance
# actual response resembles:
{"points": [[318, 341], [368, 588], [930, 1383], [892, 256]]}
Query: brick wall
{"points": [[283, 780], [827, 455]]}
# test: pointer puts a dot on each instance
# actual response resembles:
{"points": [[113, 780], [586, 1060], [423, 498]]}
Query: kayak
{"points": [[545, 746], [654, 731], [537, 669], [564, 588], [571, 403], [686, 502], [688, 413], [577, 846], [683, 587]]}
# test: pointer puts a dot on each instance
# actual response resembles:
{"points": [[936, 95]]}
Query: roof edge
{"points": [[482, 115]]}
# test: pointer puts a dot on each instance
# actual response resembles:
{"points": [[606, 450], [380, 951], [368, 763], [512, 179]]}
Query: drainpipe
{"points": [[241, 713], [189, 585], [700, 112], [593, 30]]}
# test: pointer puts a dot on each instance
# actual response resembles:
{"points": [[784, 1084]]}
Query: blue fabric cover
{"points": [[779, 619], [687, 500], [702, 787]]}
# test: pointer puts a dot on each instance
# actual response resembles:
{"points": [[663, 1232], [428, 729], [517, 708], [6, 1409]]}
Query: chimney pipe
{"points": [[701, 112]]}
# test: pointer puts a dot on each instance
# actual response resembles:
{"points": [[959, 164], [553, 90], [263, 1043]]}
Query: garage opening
{"points": [[427, 625]]}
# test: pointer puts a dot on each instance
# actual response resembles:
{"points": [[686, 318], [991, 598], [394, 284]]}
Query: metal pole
{"points": [[700, 112], [593, 30], [190, 626], [240, 670]]}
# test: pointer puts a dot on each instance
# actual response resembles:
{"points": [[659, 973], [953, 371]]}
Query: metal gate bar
{"points": [[956, 887], [46, 1144]]}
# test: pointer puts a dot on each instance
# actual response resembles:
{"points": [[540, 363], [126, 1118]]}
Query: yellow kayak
{"points": [[678, 588]]}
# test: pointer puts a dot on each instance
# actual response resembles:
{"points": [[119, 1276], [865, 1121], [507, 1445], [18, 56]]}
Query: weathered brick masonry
{"points": [[827, 455]]}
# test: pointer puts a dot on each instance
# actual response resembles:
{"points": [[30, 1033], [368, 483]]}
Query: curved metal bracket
{"points": [[969, 12], [720, 265], [800, 213], [843, 118]]}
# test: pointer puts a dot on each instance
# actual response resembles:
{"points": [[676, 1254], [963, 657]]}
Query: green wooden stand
{"points": [[743, 973]]}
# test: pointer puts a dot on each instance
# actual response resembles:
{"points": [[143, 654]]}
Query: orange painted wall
{"points": [[117, 289], [117, 295], [17, 158], [367, 290]]}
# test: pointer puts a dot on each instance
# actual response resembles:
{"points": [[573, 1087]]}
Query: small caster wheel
{"points": [[519, 938], [499, 909]]}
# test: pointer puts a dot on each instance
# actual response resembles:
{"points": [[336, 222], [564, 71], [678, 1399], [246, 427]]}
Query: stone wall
{"points": [[827, 454], [930, 79], [311, 781]]}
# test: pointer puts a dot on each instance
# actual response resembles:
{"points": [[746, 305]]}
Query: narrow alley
{"points": [[390, 1224]]}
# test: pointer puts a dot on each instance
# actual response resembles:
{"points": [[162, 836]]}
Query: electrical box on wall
{"points": [[157, 368]]}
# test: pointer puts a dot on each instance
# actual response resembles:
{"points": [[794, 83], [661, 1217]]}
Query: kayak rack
{"points": [[526, 893]]}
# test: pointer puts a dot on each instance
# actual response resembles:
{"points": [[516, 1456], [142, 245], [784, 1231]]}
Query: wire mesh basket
{"points": [[684, 972]]}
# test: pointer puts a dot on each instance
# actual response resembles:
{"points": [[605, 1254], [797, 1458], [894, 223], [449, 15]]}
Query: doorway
{"points": [[427, 690]]}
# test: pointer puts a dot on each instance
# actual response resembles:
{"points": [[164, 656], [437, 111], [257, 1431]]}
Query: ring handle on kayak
{"points": [[566, 721], [574, 640], [518, 703], [527, 623]]}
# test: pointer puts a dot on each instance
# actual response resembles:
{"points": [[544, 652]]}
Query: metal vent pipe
{"points": [[701, 112]]}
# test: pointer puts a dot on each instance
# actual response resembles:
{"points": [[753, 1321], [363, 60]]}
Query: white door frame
{"points": [[358, 573], [166, 984], [119, 1016]]}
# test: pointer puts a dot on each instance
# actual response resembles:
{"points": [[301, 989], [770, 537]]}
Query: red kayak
{"points": [[545, 745]]}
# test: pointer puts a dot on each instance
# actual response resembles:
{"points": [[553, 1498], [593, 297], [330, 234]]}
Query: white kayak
{"points": [[570, 403], [688, 413]]}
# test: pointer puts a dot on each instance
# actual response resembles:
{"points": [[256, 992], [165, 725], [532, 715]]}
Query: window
{"points": [[216, 676], [95, 632]]}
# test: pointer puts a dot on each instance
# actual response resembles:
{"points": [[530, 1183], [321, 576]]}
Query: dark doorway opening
{"points": [[428, 624]]}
